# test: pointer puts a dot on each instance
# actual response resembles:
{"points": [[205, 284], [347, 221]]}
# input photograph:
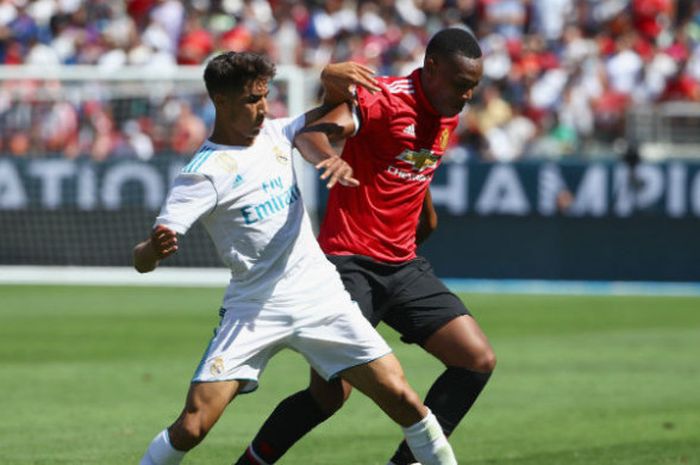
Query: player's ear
{"points": [[430, 66], [219, 98]]}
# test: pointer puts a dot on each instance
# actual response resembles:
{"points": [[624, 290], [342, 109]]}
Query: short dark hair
{"points": [[453, 41], [231, 71]]}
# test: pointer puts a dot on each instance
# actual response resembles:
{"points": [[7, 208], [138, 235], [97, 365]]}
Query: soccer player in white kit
{"points": [[283, 292]]}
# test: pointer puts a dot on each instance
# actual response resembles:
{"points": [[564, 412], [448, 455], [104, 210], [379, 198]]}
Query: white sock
{"points": [[428, 443], [161, 452]]}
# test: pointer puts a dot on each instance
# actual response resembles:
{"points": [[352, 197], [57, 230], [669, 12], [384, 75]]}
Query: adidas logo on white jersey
{"points": [[410, 130]]}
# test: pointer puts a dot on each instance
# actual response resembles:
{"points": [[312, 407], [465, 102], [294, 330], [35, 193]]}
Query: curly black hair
{"points": [[231, 71]]}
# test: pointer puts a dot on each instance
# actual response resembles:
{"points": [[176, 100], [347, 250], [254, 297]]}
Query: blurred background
{"points": [[576, 166], [578, 159]]}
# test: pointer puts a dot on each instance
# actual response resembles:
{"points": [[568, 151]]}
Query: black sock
{"points": [[290, 421], [449, 398]]}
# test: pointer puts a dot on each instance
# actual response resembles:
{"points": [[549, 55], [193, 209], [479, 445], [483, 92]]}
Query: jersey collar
{"points": [[420, 94], [216, 146]]}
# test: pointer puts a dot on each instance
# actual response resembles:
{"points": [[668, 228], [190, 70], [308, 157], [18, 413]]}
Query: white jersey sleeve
{"points": [[191, 196]]}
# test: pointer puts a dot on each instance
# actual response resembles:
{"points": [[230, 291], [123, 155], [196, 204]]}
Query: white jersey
{"points": [[248, 200]]}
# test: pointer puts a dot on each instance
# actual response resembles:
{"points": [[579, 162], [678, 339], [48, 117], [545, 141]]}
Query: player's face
{"points": [[244, 112], [450, 81]]}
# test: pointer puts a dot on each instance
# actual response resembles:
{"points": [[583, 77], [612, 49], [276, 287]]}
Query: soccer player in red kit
{"points": [[395, 139]]}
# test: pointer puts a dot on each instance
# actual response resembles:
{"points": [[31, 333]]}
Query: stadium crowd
{"points": [[559, 74]]}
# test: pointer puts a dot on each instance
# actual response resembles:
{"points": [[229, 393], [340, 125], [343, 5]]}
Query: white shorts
{"points": [[332, 335]]}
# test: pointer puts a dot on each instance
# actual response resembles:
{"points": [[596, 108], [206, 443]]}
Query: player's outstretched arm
{"points": [[340, 80], [161, 244], [427, 221], [314, 143]]}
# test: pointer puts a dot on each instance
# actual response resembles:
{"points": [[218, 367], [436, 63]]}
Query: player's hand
{"points": [[341, 79], [337, 170], [163, 241]]}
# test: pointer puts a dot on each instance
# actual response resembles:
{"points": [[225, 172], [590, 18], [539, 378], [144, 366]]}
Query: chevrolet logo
{"points": [[420, 160]]}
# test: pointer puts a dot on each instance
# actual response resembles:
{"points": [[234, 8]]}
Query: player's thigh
{"points": [[211, 399], [245, 340], [462, 343], [204, 406], [333, 335], [383, 381], [420, 303], [383, 373]]}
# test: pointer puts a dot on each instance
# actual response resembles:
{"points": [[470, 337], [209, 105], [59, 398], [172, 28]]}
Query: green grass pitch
{"points": [[88, 375]]}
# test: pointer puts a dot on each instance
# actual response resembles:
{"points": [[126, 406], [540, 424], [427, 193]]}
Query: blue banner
{"points": [[572, 189]]}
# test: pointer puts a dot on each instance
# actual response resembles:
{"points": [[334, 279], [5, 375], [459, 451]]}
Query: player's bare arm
{"points": [[160, 244], [315, 144], [427, 221], [339, 81]]}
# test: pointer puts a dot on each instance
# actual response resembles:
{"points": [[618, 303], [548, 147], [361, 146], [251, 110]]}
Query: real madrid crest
{"points": [[280, 155], [217, 366], [444, 138], [226, 162]]}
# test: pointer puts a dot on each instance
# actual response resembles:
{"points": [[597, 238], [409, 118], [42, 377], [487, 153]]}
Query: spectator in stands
{"points": [[101, 136], [59, 129], [196, 43], [188, 132], [506, 18], [19, 144], [539, 53], [170, 16], [549, 18], [138, 141], [624, 67]]}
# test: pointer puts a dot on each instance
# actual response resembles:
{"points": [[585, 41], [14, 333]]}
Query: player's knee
{"points": [[188, 431], [402, 393], [485, 361], [330, 397], [481, 359], [410, 399]]}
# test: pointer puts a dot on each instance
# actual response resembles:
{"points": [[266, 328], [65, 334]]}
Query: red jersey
{"points": [[400, 143]]}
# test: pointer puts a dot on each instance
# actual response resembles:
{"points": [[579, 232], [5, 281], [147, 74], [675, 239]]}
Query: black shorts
{"points": [[406, 296]]}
